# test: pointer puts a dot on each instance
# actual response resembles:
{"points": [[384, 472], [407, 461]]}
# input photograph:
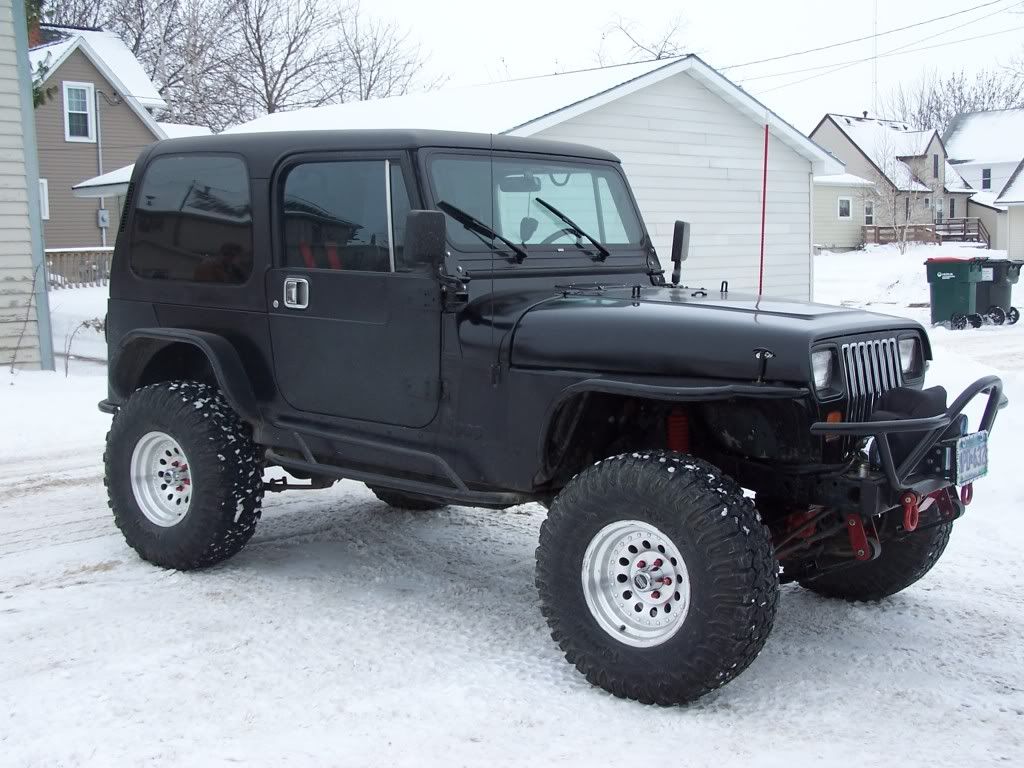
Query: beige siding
{"points": [[994, 221], [689, 155], [1015, 236], [19, 339], [72, 222], [1001, 173], [829, 137], [829, 230]]}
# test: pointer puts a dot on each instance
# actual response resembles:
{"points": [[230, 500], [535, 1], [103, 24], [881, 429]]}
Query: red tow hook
{"points": [[911, 510], [967, 494]]}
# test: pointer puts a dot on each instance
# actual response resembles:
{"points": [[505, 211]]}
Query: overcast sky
{"points": [[473, 41]]}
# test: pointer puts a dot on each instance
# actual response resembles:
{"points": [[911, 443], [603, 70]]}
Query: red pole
{"points": [[764, 206]]}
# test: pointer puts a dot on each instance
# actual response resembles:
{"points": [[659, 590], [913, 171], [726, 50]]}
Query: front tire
{"points": [[901, 562], [613, 536], [184, 478]]}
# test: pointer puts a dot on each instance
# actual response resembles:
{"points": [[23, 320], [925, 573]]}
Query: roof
{"points": [[884, 143], [181, 130], [1013, 192], [996, 136], [527, 106], [112, 184], [842, 180], [126, 73], [988, 199], [954, 181]]}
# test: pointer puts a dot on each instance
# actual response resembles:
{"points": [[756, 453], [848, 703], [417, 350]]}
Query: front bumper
{"points": [[875, 491]]}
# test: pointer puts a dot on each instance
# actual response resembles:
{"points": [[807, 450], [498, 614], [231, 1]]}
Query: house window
{"points": [[79, 112], [940, 208], [869, 212], [952, 207], [935, 166], [906, 207], [927, 203], [845, 208], [44, 199], [986, 178]]}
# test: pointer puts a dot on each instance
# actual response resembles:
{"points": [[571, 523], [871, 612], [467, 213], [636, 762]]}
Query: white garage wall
{"points": [[690, 155]]}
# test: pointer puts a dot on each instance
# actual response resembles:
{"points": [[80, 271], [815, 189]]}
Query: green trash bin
{"points": [[953, 284], [996, 289]]}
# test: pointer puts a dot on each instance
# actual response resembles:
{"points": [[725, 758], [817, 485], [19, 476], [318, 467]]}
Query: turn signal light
{"points": [[834, 417]]}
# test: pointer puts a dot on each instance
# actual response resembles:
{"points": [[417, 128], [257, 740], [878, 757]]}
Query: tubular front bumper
{"points": [[879, 491]]}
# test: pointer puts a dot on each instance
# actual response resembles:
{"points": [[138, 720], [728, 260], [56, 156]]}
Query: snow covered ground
{"points": [[351, 634]]}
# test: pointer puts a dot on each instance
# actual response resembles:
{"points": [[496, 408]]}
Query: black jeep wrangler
{"points": [[482, 320]]}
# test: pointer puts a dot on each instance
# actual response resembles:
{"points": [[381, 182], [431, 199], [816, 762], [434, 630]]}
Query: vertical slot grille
{"points": [[871, 367]]}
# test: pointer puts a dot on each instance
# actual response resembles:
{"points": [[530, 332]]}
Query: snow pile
{"points": [[74, 316]]}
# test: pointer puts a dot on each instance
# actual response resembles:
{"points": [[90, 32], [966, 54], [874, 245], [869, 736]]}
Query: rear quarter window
{"points": [[193, 220]]}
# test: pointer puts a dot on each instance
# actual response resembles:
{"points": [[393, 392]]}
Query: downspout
{"points": [[99, 161], [29, 147]]}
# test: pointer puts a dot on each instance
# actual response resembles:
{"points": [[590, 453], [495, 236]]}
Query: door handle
{"points": [[296, 292]]}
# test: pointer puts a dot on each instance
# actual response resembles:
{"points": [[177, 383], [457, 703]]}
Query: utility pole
{"points": [[874, 79]]}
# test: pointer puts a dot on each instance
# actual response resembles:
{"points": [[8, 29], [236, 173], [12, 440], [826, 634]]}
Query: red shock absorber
{"points": [[678, 430]]}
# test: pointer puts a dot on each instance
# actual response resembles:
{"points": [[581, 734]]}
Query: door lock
{"points": [[296, 292]]}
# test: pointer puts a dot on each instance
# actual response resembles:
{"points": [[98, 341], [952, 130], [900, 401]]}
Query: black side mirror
{"points": [[680, 248], [425, 238]]}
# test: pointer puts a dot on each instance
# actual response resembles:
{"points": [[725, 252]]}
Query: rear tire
{"points": [[184, 478], [902, 562], [619, 528], [407, 501]]}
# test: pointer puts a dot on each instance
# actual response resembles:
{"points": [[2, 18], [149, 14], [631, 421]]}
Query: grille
{"points": [[871, 368]]}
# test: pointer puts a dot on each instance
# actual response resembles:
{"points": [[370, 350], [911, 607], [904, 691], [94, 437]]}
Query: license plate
{"points": [[971, 457]]}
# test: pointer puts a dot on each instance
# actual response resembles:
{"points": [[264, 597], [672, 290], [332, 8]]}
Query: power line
{"points": [[895, 52], [890, 52], [866, 37]]}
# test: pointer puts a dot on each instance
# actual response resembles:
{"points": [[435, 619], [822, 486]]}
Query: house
{"points": [[913, 179], [99, 113], [986, 147], [691, 142], [24, 312], [1012, 198], [843, 204]]}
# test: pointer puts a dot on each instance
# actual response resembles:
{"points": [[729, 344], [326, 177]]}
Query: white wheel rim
{"points": [[631, 564], [161, 479]]}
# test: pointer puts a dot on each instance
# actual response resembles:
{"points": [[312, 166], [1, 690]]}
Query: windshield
{"points": [[502, 192]]}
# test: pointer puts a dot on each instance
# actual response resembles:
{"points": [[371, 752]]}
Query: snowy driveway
{"points": [[349, 634]]}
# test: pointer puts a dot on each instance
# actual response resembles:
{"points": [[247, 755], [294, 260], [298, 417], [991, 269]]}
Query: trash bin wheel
{"points": [[975, 320], [1012, 316], [958, 321], [996, 315]]}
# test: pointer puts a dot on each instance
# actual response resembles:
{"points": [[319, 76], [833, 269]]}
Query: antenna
{"points": [[874, 82]]}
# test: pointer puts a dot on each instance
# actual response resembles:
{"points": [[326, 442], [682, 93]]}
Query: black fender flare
{"points": [[138, 347]]}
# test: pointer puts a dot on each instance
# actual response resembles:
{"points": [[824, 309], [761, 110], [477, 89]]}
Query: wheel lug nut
{"points": [[642, 564], [655, 594], [658, 563], [666, 581]]}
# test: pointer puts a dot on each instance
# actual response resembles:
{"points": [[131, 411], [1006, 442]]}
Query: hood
{"points": [[686, 333]]}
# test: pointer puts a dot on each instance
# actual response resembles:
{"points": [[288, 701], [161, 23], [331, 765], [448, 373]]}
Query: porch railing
{"points": [[77, 267]]}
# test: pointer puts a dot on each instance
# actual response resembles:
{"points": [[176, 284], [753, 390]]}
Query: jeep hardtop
{"points": [[483, 320]]}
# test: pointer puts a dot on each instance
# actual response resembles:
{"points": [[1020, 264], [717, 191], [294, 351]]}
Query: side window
{"points": [[193, 220], [986, 178], [845, 207], [336, 215], [869, 212]]}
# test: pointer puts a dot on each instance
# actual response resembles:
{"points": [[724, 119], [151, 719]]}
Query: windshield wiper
{"points": [[477, 227], [576, 230]]}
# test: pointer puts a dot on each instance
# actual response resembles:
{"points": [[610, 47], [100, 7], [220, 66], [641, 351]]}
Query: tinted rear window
{"points": [[193, 220]]}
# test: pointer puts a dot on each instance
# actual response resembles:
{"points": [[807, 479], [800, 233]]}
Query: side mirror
{"points": [[680, 248], [425, 238]]}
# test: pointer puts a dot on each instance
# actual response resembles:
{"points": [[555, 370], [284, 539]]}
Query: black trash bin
{"points": [[953, 286], [996, 289]]}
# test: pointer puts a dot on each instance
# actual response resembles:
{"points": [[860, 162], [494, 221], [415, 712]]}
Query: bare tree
{"points": [[934, 100], [629, 44], [377, 57], [896, 199]]}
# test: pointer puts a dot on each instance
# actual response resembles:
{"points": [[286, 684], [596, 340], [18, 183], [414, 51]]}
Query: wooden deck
{"points": [[965, 230]]}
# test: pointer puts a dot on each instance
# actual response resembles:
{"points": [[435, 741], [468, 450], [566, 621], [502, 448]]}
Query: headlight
{"points": [[822, 364], [910, 356]]}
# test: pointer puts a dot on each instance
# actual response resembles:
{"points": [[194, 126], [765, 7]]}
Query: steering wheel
{"points": [[555, 235]]}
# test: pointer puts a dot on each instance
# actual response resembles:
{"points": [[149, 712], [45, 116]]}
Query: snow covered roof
{"points": [[111, 184], [181, 130], [842, 180], [954, 181], [1013, 192], [988, 199], [884, 143], [110, 55], [526, 106], [987, 137]]}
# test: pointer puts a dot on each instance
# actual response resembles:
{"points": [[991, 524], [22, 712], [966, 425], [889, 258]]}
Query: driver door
{"points": [[355, 334]]}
